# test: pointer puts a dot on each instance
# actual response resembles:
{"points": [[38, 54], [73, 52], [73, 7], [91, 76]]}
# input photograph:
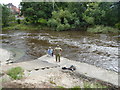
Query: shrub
{"points": [[89, 20], [117, 25], [87, 85], [60, 87], [75, 88], [97, 85], [18, 21], [102, 29], [93, 85], [66, 26], [42, 21], [52, 23], [60, 27], [16, 73], [63, 19]]}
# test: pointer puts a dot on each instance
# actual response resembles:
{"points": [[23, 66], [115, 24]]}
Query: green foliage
{"points": [[42, 21], [29, 11], [67, 26], [89, 20], [60, 27], [24, 27], [52, 23], [60, 87], [63, 20], [93, 85], [16, 73], [67, 15], [75, 88], [18, 21], [93, 14], [27, 21], [5, 15], [102, 29], [37, 12], [97, 85], [87, 85], [117, 25], [112, 10]]}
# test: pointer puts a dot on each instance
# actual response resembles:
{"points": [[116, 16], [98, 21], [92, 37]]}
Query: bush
{"points": [[18, 21], [60, 87], [60, 27], [89, 20], [117, 25], [52, 23], [42, 21], [16, 73], [63, 20], [66, 26], [102, 29], [75, 88]]}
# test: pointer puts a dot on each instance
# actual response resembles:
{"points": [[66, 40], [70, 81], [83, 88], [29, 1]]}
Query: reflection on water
{"points": [[96, 49]]}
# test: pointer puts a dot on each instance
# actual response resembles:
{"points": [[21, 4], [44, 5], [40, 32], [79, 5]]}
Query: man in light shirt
{"points": [[57, 52]]}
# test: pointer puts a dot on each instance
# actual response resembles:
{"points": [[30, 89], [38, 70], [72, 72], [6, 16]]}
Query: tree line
{"points": [[70, 15]]}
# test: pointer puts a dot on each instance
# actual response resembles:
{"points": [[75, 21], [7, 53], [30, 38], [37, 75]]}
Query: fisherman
{"points": [[57, 52], [50, 51]]}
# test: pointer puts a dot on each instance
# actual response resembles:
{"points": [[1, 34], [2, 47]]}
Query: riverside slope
{"points": [[47, 62], [86, 70]]}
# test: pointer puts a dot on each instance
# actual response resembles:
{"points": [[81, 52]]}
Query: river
{"points": [[97, 49]]}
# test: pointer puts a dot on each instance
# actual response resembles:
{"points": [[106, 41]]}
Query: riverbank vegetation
{"points": [[16, 73], [96, 17]]}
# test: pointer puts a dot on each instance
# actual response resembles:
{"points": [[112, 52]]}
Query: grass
{"points": [[75, 88], [60, 87], [20, 27], [97, 85], [87, 85], [16, 73], [93, 85], [25, 27], [102, 29]]}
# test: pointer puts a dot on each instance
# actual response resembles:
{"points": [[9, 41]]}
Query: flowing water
{"points": [[97, 49]]}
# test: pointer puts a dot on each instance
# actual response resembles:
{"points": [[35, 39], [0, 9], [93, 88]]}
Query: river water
{"points": [[97, 49]]}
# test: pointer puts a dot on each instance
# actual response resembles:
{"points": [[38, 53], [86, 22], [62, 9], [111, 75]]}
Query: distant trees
{"points": [[66, 15], [5, 15], [63, 20], [36, 12]]}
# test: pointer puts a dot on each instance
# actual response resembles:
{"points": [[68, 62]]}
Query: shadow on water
{"points": [[96, 49]]}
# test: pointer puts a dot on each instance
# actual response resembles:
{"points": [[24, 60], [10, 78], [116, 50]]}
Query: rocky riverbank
{"points": [[4, 56], [44, 72]]}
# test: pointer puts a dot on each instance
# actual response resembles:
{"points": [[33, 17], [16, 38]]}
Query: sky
{"points": [[14, 2]]}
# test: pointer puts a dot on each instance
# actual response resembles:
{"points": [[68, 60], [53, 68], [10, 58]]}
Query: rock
{"points": [[10, 61], [6, 78]]}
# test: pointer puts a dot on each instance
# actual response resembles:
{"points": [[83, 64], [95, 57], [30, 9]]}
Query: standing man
{"points": [[57, 52]]}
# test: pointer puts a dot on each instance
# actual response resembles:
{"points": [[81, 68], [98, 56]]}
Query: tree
{"points": [[5, 15], [112, 13], [34, 11], [63, 20], [93, 14]]}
